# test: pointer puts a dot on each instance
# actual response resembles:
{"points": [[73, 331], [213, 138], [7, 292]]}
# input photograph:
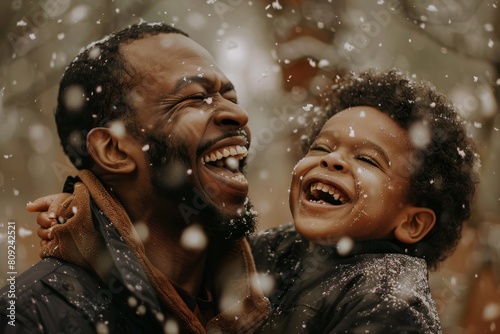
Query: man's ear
{"points": [[109, 151], [416, 224]]}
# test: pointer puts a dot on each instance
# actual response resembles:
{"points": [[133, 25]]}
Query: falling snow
{"points": [[432, 8], [420, 135], [307, 107], [41, 40], [194, 238], [344, 245], [461, 152], [118, 129]]}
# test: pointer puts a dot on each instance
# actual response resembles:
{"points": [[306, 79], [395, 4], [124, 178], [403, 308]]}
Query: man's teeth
{"points": [[236, 151], [317, 188]]}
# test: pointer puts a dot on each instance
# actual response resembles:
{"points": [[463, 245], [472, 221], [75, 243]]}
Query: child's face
{"points": [[353, 181]]}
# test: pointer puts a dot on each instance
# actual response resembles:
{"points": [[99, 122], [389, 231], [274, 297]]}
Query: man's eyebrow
{"points": [[227, 86], [206, 82]]}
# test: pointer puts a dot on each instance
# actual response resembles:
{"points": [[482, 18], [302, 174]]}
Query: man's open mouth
{"points": [[322, 193], [227, 159]]}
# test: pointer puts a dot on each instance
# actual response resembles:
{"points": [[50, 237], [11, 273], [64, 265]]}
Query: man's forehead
{"points": [[169, 58], [164, 45]]}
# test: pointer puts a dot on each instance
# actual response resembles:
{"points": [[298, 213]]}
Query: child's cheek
{"points": [[371, 185], [301, 161]]}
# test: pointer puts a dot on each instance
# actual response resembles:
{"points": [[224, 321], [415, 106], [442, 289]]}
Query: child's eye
{"points": [[319, 148], [369, 160]]}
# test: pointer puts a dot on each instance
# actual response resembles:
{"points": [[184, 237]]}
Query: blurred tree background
{"points": [[278, 54]]}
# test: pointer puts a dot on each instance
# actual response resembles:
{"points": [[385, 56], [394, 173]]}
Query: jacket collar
{"points": [[376, 247], [100, 237]]}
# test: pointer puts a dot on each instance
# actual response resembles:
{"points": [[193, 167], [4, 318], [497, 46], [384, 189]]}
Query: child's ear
{"points": [[109, 151], [417, 223]]}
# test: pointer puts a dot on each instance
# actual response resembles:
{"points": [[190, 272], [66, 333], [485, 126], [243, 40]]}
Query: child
{"points": [[380, 196]]}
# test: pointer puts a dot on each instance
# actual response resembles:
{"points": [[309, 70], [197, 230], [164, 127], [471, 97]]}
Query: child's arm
{"points": [[47, 206]]}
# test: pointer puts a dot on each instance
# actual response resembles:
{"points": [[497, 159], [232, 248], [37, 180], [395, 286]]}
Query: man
{"points": [[155, 128]]}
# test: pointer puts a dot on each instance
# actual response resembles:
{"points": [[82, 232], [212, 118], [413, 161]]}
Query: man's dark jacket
{"points": [[96, 278], [55, 296]]}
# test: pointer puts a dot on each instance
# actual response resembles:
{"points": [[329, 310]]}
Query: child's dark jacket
{"points": [[376, 288]]}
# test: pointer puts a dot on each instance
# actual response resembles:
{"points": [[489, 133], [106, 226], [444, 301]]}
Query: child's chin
{"points": [[315, 231]]}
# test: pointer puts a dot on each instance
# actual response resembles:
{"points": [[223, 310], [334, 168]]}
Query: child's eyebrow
{"points": [[327, 135], [379, 150]]}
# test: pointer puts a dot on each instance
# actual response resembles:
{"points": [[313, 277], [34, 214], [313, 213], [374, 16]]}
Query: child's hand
{"points": [[47, 207]]}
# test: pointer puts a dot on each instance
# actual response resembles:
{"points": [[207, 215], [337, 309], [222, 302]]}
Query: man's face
{"points": [[195, 134], [351, 182]]}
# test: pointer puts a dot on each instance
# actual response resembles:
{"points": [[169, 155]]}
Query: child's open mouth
{"points": [[323, 193]]}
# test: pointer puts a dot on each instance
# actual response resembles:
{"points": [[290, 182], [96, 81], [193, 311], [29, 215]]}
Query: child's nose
{"points": [[334, 161]]}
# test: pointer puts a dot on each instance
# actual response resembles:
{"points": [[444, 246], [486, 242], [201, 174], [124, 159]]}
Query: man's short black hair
{"points": [[443, 168], [93, 90]]}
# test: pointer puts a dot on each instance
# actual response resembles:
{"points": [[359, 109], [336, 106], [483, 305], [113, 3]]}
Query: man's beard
{"points": [[169, 165]]}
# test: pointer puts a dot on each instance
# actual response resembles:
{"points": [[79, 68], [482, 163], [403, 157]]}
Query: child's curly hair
{"points": [[443, 169]]}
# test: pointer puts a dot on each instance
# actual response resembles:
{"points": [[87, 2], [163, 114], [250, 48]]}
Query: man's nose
{"points": [[231, 115], [335, 161]]}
